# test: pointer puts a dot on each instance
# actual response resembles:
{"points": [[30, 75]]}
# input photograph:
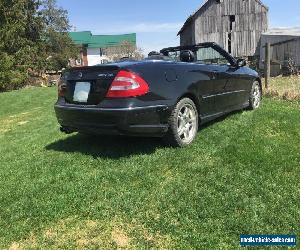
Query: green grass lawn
{"points": [[241, 176]]}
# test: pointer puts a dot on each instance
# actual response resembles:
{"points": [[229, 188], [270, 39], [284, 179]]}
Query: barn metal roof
{"points": [[295, 31], [202, 6]]}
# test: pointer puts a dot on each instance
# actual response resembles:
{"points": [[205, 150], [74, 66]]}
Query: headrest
{"points": [[154, 53], [187, 56]]}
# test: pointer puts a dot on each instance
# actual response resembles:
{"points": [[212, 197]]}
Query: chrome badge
{"points": [[80, 74], [106, 75]]}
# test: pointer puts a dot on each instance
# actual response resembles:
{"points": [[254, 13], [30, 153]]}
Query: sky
{"points": [[156, 22]]}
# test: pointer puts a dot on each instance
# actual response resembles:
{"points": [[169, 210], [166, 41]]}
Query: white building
{"points": [[92, 46]]}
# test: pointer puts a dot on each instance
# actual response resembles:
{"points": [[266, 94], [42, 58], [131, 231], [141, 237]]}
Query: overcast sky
{"points": [[157, 22]]}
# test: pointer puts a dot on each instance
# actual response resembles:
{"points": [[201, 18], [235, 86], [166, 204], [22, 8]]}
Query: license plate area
{"points": [[81, 92]]}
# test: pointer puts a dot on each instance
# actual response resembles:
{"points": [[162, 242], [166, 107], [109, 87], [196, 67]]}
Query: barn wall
{"points": [[282, 51], [212, 24], [188, 35]]}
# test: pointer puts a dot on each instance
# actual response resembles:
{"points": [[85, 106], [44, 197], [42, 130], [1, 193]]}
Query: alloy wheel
{"points": [[186, 123], [256, 96]]}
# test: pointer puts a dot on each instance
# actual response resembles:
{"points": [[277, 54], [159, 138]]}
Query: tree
{"points": [[33, 38], [19, 24], [59, 47], [54, 17], [20, 30], [124, 50]]}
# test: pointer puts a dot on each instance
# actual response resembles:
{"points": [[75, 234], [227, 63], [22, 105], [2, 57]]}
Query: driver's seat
{"points": [[187, 56]]}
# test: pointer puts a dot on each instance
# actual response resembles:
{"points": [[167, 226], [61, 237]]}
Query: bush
{"points": [[11, 77], [33, 38]]}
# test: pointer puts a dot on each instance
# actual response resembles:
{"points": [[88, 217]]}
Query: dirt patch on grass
{"points": [[120, 238], [13, 121], [95, 234], [31, 241]]}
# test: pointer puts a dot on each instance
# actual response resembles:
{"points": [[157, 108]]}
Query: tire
{"points": [[183, 124], [255, 96]]}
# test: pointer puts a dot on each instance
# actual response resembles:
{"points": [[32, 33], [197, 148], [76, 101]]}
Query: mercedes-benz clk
{"points": [[167, 95]]}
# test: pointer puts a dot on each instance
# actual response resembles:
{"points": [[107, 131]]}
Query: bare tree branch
{"points": [[124, 50]]}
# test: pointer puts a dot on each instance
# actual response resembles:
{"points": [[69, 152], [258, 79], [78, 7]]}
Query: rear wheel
{"points": [[183, 124], [255, 96]]}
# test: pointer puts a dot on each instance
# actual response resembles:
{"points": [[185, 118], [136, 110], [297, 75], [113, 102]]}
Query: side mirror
{"points": [[241, 63]]}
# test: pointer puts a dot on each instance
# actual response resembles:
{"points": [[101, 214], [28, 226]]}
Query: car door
{"points": [[237, 87], [218, 67], [202, 82]]}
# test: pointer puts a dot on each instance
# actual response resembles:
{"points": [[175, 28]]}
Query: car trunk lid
{"points": [[91, 84]]}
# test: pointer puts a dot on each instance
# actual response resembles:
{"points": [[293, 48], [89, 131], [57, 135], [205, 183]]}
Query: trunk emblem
{"points": [[80, 74], [106, 75]]}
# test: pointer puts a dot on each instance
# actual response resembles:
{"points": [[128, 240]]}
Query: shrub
{"points": [[11, 77], [33, 38]]}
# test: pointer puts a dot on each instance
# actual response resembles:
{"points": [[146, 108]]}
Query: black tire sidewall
{"points": [[172, 136]]}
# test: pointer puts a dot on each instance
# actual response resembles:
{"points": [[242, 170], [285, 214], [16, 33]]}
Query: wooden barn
{"points": [[285, 46], [236, 25]]}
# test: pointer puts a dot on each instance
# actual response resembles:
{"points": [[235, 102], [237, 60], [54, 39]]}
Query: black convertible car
{"points": [[166, 95]]}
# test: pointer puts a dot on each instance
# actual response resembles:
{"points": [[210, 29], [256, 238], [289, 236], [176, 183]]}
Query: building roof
{"points": [[187, 22], [283, 32], [89, 40], [82, 37], [111, 40]]}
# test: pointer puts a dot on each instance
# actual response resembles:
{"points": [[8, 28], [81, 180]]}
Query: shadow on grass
{"points": [[113, 147]]}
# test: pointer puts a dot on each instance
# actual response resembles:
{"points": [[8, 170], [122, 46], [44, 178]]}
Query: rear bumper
{"points": [[137, 121]]}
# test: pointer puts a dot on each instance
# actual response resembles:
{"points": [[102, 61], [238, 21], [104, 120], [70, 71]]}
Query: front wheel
{"points": [[183, 124], [255, 96]]}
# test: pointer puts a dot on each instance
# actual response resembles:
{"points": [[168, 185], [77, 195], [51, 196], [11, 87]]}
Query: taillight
{"points": [[127, 84]]}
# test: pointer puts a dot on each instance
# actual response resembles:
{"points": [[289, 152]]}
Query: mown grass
{"points": [[287, 88], [241, 176]]}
